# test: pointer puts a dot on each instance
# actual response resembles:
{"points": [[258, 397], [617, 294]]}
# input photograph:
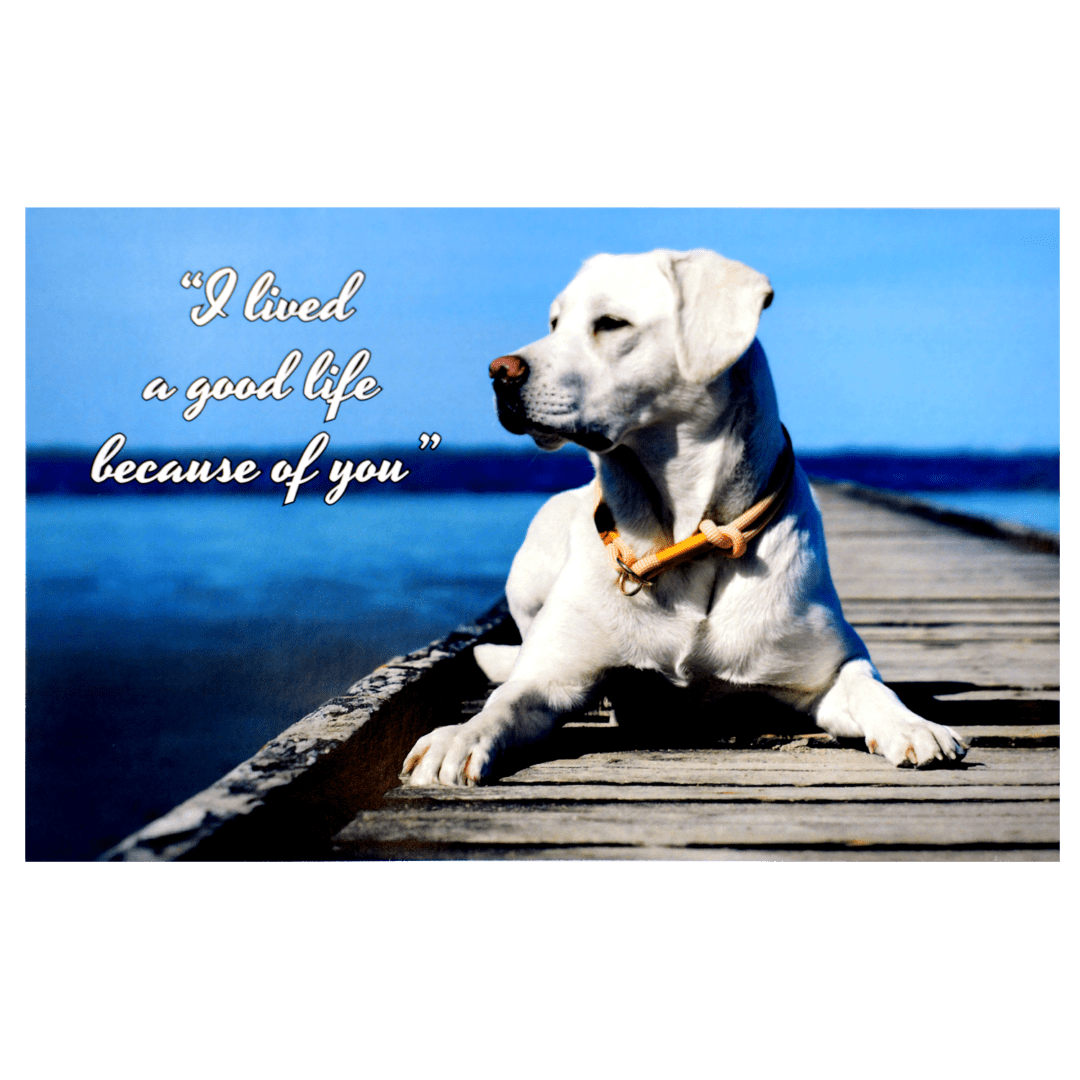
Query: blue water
{"points": [[169, 638], [423, 562]]}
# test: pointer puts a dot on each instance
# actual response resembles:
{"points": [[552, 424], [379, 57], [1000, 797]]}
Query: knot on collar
{"points": [[726, 537]]}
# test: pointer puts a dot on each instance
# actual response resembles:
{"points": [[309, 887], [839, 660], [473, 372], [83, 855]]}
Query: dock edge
{"points": [[286, 801]]}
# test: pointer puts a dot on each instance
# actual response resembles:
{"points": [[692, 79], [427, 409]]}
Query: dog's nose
{"points": [[508, 369]]}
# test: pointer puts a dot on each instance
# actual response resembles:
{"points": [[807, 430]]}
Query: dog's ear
{"points": [[717, 306]]}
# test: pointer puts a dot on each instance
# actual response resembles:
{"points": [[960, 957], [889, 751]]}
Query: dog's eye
{"points": [[608, 322], [554, 323]]}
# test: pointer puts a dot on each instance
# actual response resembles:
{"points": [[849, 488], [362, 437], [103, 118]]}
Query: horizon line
{"points": [[503, 448]]}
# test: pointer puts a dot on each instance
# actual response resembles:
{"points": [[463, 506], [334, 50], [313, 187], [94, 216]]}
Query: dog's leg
{"points": [[535, 569], [555, 672], [496, 661], [859, 704], [516, 713]]}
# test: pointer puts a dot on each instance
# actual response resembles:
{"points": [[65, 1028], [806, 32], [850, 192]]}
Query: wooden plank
{"points": [[805, 767], [965, 573], [999, 695], [511, 852], [713, 825], [845, 523], [982, 633], [1010, 731], [715, 793], [1018, 735], [945, 612], [875, 573], [1032, 665]]}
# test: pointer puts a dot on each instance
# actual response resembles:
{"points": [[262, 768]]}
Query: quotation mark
{"points": [[435, 438], [190, 282]]}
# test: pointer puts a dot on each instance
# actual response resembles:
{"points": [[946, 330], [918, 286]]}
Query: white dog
{"points": [[652, 364]]}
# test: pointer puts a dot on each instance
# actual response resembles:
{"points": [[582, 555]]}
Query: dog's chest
{"points": [[702, 619]]}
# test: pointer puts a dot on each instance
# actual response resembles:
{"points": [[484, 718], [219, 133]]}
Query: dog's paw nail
{"points": [[871, 745], [411, 762], [911, 755]]}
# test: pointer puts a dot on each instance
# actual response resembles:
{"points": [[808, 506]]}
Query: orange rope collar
{"points": [[730, 539]]}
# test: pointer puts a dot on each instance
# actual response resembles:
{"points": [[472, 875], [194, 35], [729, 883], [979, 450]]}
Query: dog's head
{"points": [[634, 341]]}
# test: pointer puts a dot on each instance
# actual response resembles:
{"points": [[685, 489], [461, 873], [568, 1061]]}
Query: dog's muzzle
{"points": [[509, 374]]}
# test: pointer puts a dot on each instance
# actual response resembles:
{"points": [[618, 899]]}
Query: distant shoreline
{"points": [[65, 470]]}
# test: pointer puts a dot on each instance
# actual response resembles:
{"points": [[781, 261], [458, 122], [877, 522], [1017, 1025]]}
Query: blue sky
{"points": [[893, 328]]}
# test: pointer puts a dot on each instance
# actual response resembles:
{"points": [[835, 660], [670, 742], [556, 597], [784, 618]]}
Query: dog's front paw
{"points": [[456, 756], [915, 741]]}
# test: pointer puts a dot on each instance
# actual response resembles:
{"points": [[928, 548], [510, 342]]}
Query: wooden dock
{"points": [[965, 629], [961, 619]]}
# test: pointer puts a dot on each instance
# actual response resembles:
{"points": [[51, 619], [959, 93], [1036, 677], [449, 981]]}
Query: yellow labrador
{"points": [[652, 364]]}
